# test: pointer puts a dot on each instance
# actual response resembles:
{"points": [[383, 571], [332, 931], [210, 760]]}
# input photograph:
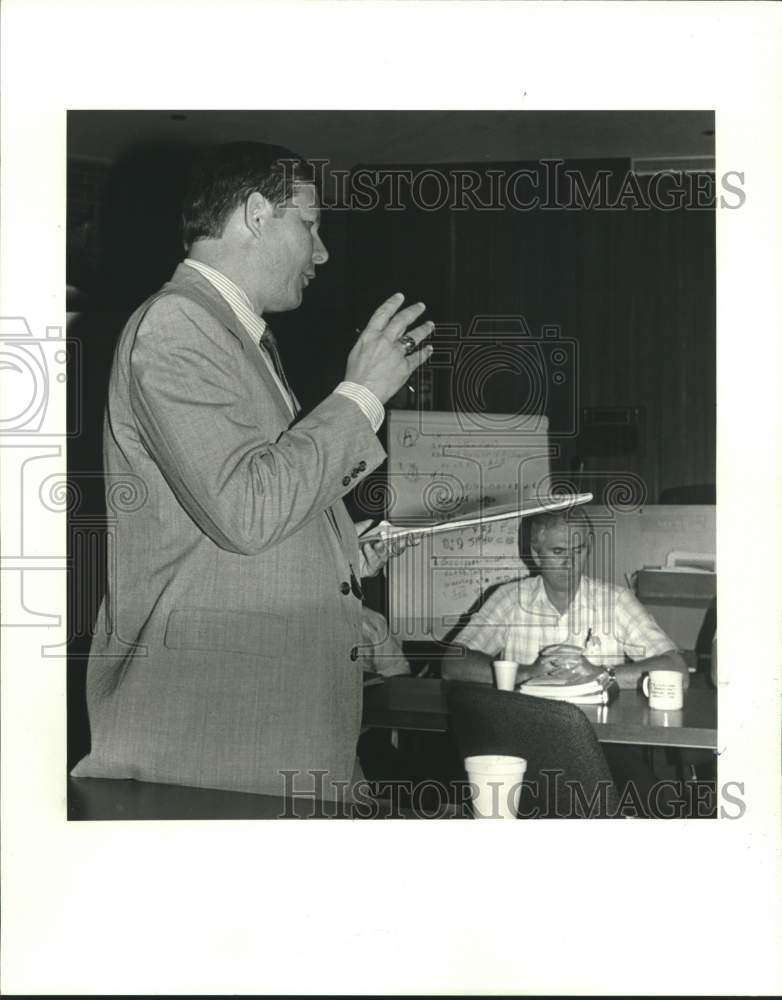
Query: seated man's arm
{"points": [[645, 644], [463, 664], [629, 675], [481, 640]]}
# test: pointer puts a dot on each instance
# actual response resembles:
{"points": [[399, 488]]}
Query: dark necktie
{"points": [[269, 344]]}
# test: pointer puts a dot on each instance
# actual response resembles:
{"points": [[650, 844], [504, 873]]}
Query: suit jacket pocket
{"points": [[250, 632]]}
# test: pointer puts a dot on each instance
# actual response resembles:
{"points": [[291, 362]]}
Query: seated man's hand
{"points": [[526, 671], [565, 659]]}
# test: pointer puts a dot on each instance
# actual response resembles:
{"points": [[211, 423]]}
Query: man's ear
{"points": [[257, 212], [534, 557]]}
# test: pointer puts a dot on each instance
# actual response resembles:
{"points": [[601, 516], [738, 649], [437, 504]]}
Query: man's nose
{"points": [[319, 252]]}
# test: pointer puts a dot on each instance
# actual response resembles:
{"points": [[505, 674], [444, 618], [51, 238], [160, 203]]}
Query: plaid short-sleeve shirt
{"points": [[518, 620]]}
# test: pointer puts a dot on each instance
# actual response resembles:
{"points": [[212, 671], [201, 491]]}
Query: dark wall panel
{"points": [[633, 287]]}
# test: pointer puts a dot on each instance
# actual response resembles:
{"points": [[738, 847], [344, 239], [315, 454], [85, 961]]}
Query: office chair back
{"points": [[567, 774]]}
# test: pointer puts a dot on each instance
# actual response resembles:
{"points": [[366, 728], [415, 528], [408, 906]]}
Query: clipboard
{"points": [[385, 530]]}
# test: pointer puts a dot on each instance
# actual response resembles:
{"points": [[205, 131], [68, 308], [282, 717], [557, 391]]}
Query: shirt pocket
{"points": [[248, 632]]}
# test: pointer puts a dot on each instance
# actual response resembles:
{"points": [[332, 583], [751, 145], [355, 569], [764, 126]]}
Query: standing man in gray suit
{"points": [[224, 651]]}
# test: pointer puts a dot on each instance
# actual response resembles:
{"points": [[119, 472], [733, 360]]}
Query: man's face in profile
{"points": [[293, 249]]}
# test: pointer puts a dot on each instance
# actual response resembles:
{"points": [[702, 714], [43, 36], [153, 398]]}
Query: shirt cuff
{"points": [[366, 400]]}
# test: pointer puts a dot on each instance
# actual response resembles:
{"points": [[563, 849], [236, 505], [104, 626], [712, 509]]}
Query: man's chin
{"points": [[293, 301]]}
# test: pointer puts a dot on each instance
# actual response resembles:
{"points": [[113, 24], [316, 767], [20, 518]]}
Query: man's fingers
{"points": [[417, 358], [399, 323], [380, 317], [392, 321], [400, 545], [421, 332], [381, 358]]}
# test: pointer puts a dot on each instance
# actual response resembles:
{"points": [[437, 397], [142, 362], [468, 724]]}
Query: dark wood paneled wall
{"points": [[634, 288]]}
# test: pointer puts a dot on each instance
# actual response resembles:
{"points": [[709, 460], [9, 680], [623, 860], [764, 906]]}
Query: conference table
{"points": [[396, 704], [418, 704], [121, 800]]}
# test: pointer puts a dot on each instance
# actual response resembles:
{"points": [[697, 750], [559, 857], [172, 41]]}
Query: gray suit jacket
{"points": [[222, 651]]}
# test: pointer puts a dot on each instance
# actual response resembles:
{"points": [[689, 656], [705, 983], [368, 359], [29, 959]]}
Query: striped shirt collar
{"points": [[236, 298], [255, 326]]}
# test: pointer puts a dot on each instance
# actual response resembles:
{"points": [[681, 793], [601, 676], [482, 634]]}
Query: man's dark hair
{"points": [[223, 177]]}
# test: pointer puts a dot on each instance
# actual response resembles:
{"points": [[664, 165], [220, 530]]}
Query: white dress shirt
{"points": [[255, 326]]}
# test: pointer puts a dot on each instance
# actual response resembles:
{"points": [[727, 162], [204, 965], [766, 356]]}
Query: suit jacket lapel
{"points": [[187, 281]]}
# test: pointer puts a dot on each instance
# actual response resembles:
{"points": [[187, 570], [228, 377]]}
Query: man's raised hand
{"points": [[381, 359]]}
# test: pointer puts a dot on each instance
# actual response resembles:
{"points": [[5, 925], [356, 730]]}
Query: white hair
{"points": [[573, 518]]}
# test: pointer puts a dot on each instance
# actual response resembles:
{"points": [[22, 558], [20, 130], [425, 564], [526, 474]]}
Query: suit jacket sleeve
{"points": [[199, 409]]}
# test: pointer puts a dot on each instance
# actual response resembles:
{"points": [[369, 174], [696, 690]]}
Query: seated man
{"points": [[563, 606]]}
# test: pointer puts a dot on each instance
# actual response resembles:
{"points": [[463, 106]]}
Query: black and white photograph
{"points": [[388, 398], [552, 337]]}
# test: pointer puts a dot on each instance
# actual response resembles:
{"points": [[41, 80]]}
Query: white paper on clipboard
{"points": [[386, 530]]}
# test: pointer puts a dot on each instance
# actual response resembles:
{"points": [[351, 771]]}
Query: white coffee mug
{"points": [[664, 689]]}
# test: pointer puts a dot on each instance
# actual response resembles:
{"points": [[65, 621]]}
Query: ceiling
{"points": [[347, 138]]}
